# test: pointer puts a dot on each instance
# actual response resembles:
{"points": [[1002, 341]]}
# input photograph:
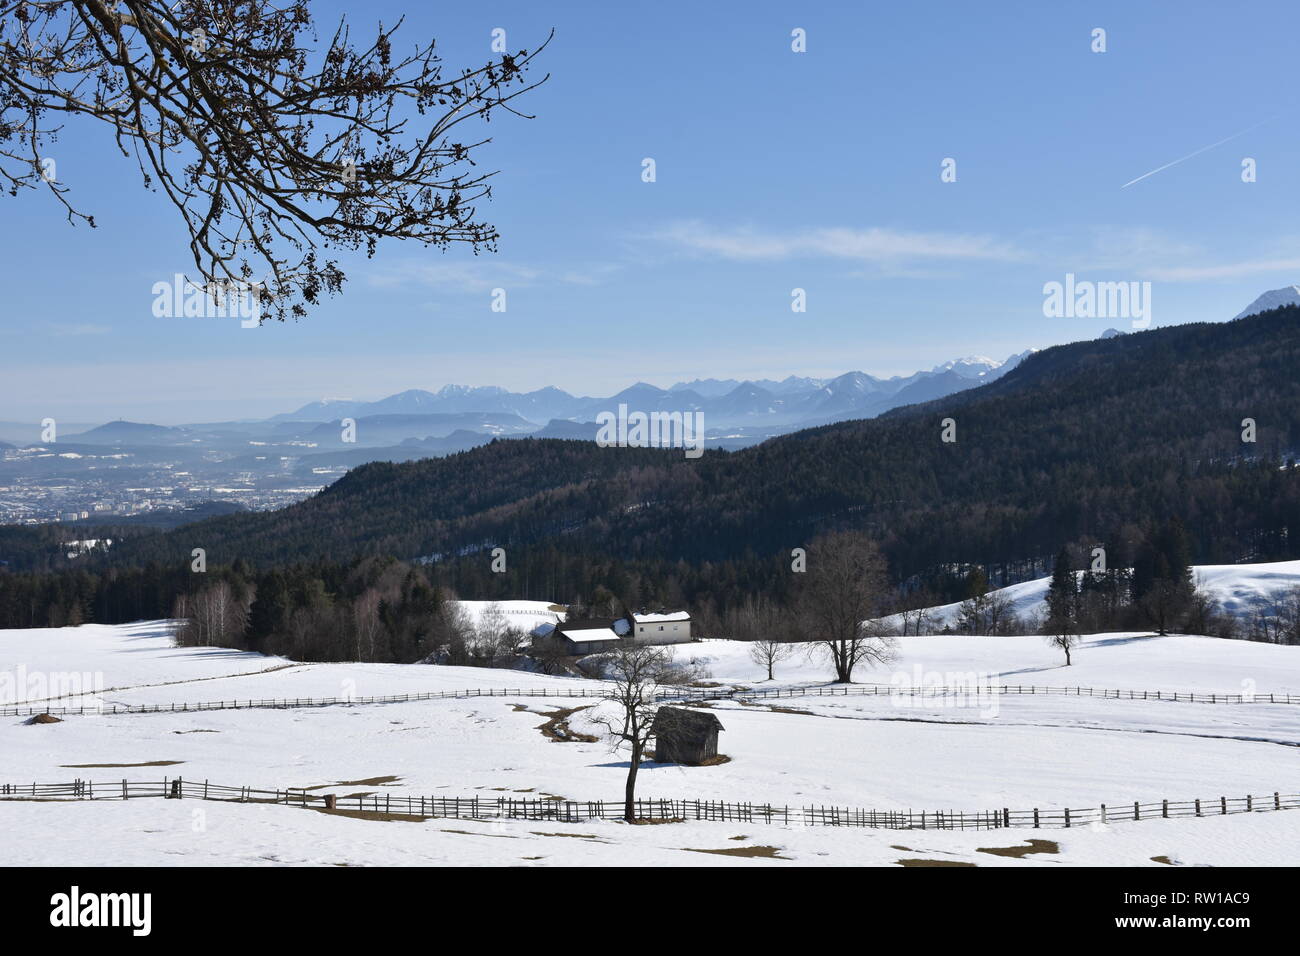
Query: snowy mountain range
{"points": [[727, 403]]}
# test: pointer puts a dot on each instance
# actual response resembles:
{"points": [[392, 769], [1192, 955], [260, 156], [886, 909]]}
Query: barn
{"points": [[589, 635], [686, 736]]}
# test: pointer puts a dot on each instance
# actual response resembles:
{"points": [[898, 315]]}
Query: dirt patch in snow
{"points": [[656, 821], [918, 862], [557, 729], [1032, 846], [715, 761], [777, 709], [367, 782], [499, 836], [377, 815], [44, 719], [576, 836], [748, 852]]}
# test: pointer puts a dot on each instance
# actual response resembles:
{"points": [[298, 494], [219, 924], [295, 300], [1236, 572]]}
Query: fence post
{"points": [[1223, 805], [1137, 811], [1198, 806], [1067, 818], [1164, 809], [1006, 817], [1103, 813], [1035, 818]]}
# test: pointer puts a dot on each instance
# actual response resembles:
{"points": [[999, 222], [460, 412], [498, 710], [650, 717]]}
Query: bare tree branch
{"points": [[268, 149]]}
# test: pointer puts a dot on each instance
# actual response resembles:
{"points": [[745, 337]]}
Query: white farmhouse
{"points": [[662, 627]]}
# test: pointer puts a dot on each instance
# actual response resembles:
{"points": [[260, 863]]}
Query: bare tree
{"points": [[1000, 614], [1064, 639], [267, 146], [918, 620], [455, 632], [493, 638], [549, 653], [210, 617], [841, 598], [366, 624], [636, 673], [758, 620], [767, 652]]}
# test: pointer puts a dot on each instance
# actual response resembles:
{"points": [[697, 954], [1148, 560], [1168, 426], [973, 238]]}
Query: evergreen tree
{"points": [[269, 614]]}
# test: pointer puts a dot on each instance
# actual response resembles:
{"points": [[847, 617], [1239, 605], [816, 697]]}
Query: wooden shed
{"points": [[686, 736]]}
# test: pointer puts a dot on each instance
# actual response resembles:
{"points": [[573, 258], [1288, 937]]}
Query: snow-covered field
{"points": [[877, 752], [1238, 589], [1119, 661], [523, 615]]}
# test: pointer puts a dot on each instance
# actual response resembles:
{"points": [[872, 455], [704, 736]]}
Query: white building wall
{"points": [[666, 632]]}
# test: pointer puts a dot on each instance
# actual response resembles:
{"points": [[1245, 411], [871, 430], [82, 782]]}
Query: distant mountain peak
{"points": [[972, 366], [1273, 299]]}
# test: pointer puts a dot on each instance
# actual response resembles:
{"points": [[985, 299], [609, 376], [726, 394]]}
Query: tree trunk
{"points": [[844, 664], [629, 793], [1067, 657]]}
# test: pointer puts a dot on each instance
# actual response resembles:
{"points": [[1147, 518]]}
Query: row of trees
{"points": [[381, 609], [373, 610]]}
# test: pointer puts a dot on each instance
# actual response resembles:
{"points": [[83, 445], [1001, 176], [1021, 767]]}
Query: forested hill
{"points": [[1080, 442]]}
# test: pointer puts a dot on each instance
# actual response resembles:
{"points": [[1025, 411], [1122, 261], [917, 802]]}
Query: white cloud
{"points": [[480, 275], [1229, 270], [872, 245]]}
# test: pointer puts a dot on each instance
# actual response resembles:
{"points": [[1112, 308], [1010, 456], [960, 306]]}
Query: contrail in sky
{"points": [[1197, 153]]}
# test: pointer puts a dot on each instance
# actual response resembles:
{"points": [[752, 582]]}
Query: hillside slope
{"points": [[1077, 441]]}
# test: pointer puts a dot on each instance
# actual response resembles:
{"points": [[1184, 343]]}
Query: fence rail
{"points": [[28, 710], [1105, 693], [574, 811], [854, 690]]}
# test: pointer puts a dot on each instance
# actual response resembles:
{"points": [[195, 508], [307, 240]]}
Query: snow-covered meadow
{"points": [[881, 752], [1236, 589]]}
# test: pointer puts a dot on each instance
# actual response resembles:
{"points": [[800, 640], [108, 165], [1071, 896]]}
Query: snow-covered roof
{"points": [[660, 618], [584, 634]]}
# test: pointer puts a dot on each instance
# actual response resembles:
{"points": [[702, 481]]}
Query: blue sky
{"points": [[775, 170]]}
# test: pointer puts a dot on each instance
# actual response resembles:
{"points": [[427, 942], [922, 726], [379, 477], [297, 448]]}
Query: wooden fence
{"points": [[988, 690], [573, 811], [676, 694], [293, 702]]}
